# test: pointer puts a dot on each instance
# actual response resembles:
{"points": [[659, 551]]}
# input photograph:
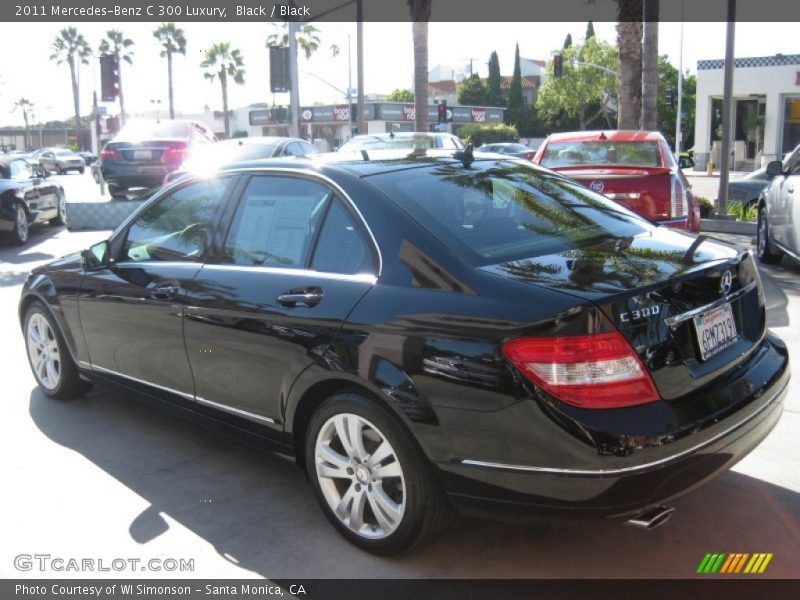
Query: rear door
{"points": [[293, 265]]}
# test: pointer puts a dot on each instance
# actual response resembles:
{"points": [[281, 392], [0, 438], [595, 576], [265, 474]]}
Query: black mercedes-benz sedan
{"points": [[425, 331]]}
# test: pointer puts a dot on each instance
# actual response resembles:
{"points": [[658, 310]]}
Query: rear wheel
{"points": [[767, 253], [61, 219], [52, 366], [116, 191], [371, 479], [82, 170], [21, 226]]}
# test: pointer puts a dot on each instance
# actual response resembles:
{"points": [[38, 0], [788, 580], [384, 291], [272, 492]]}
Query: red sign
{"points": [[341, 112], [409, 112], [478, 115]]}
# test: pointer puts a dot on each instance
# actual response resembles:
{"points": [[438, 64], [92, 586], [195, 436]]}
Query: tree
{"points": [[650, 65], [307, 38], [568, 41], [71, 47], [26, 106], [668, 78], [420, 15], [589, 30], [584, 91], [119, 46], [494, 82], [223, 63], [515, 97], [472, 91], [399, 95], [172, 42], [629, 41]]}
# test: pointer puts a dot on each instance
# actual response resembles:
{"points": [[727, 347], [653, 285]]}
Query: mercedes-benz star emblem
{"points": [[726, 282], [597, 186]]}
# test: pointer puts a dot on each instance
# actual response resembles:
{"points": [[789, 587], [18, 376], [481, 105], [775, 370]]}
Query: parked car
{"points": [[747, 190], [206, 159], [61, 161], [425, 331], [635, 168], [144, 152], [402, 140], [778, 230], [27, 197], [517, 150], [87, 156]]}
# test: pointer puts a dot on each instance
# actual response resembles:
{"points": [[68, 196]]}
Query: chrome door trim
{"points": [[356, 278], [142, 381], [236, 411]]}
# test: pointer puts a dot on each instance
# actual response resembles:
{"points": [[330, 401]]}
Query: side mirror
{"points": [[96, 256], [775, 168]]}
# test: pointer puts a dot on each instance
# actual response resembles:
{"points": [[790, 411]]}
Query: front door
{"points": [[132, 310], [293, 265]]}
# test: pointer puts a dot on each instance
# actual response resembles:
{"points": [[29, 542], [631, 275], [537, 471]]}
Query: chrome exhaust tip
{"points": [[652, 518]]}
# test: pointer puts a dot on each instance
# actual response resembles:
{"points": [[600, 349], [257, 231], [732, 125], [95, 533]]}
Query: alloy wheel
{"points": [[43, 351], [62, 207], [21, 224], [360, 476], [762, 235]]}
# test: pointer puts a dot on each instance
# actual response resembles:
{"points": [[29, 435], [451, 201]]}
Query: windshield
{"points": [[632, 154], [145, 129], [387, 143], [223, 153], [65, 153], [506, 211]]}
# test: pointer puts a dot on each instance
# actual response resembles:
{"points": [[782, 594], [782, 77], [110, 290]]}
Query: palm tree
{"points": [[629, 41], [224, 63], [172, 41], [307, 38], [650, 66], [420, 15], [119, 47], [71, 47], [26, 106]]}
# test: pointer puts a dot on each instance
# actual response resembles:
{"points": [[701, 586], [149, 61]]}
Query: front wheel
{"points": [[52, 366], [766, 252], [370, 477], [21, 230], [61, 219], [82, 170]]}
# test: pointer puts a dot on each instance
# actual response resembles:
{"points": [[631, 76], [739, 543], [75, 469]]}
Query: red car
{"points": [[635, 168]]}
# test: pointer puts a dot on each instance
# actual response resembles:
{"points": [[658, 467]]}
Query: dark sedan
{"points": [[748, 189], [422, 332], [27, 197], [516, 150]]}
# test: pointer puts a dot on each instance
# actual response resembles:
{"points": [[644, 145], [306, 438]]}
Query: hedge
{"points": [[487, 134]]}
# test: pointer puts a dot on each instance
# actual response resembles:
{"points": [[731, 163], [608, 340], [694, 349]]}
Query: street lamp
{"points": [[156, 103]]}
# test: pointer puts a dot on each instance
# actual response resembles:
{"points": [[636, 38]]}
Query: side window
{"points": [[308, 148], [175, 228], [275, 222], [341, 247], [21, 170], [793, 164]]}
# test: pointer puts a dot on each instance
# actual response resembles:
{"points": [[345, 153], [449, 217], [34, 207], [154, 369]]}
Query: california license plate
{"points": [[716, 331], [141, 154]]}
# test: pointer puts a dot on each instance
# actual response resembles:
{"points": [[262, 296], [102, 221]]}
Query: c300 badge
{"points": [[640, 313]]}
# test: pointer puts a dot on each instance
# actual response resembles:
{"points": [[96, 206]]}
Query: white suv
{"points": [[779, 211]]}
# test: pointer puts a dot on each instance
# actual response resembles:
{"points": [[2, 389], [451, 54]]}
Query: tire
{"points": [[82, 170], [48, 356], [96, 176], [21, 231], [117, 192], [765, 251], [61, 219], [398, 501], [59, 170]]}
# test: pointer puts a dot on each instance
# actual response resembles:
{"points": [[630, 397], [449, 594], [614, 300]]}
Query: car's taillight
{"points": [[109, 154], [529, 156], [174, 154], [679, 198], [589, 371]]}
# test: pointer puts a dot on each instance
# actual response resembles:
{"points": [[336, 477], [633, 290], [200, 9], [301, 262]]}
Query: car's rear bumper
{"points": [[648, 477], [132, 176]]}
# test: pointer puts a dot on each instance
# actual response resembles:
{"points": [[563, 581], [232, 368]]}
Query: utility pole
{"points": [[362, 128], [294, 92], [679, 118], [349, 88], [727, 105]]}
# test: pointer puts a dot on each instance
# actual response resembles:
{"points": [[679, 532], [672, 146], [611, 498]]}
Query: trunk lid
{"points": [[654, 287], [149, 152]]}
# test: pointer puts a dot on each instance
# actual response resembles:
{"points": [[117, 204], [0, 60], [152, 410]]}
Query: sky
{"points": [[388, 59]]}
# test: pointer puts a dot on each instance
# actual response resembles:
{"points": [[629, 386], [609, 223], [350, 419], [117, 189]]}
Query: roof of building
{"points": [[776, 60], [528, 81], [535, 61]]}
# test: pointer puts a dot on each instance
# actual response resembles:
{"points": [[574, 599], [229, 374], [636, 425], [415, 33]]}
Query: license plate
{"points": [[716, 331], [142, 154]]}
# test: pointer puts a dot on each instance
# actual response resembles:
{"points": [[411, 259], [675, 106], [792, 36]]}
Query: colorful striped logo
{"points": [[737, 562]]}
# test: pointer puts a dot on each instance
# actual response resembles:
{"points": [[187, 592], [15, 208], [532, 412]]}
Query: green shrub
{"points": [[239, 134], [487, 134], [707, 208], [743, 211]]}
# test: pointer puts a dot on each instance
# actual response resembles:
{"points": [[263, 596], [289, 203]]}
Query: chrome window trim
{"points": [[236, 411], [144, 382], [624, 470], [329, 182], [368, 278], [678, 319]]}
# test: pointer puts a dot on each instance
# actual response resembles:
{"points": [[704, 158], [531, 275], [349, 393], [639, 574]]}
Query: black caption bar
{"points": [[384, 10], [395, 589]]}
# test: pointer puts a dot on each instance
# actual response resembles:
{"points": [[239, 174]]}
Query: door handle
{"points": [[164, 292], [790, 189], [302, 297]]}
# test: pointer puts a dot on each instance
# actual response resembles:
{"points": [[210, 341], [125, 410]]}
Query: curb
{"points": [[722, 226]]}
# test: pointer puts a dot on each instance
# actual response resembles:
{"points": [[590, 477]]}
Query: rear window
{"points": [[167, 129], [629, 154], [386, 143], [501, 211]]}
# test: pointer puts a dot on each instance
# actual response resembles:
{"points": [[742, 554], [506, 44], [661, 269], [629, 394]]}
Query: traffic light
{"points": [[442, 111], [670, 97], [279, 69], [109, 78], [558, 65]]}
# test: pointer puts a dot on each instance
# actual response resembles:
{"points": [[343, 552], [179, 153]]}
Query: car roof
{"points": [[400, 134], [259, 140], [610, 136]]}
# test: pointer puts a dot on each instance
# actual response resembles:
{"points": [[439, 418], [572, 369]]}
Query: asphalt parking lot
{"points": [[106, 477]]}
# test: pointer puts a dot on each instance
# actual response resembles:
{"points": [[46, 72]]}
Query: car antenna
{"points": [[364, 155], [465, 155], [603, 135], [391, 135]]}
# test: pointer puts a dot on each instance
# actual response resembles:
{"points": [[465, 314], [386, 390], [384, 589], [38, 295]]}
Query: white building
{"points": [[765, 123]]}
